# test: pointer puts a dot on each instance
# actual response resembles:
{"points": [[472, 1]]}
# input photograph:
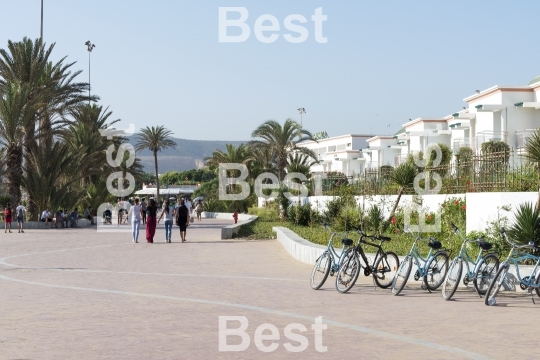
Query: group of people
{"points": [[64, 218], [20, 212], [179, 212]]}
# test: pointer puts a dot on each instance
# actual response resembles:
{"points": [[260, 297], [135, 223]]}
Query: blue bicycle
{"points": [[501, 279], [329, 262], [432, 269], [484, 268]]}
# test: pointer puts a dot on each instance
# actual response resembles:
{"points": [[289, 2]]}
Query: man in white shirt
{"points": [[188, 205], [45, 217], [20, 211]]}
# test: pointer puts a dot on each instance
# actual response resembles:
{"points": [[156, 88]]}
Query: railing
{"points": [[485, 136], [480, 172], [462, 142], [522, 137]]}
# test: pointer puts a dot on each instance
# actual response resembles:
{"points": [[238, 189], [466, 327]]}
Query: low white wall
{"points": [[41, 225], [227, 232], [482, 208]]}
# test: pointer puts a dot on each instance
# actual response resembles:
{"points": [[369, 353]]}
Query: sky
{"points": [[161, 62]]}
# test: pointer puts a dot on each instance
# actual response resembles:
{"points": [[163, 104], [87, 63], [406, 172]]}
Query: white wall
{"points": [[481, 207]]}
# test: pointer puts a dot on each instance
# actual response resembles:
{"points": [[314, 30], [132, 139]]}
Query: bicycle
{"points": [[432, 271], [527, 283], [383, 267], [329, 261], [484, 268]]}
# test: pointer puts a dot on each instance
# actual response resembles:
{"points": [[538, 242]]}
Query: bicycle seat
{"points": [[435, 244], [384, 238], [347, 242], [484, 245]]}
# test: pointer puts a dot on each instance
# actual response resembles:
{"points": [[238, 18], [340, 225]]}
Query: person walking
{"points": [[151, 211], [135, 211], [235, 216], [20, 211], [7, 218], [143, 208], [188, 205], [168, 211], [199, 209], [182, 219]]}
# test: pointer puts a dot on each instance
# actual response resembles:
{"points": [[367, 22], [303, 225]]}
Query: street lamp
{"points": [[90, 48], [301, 111], [41, 33]]}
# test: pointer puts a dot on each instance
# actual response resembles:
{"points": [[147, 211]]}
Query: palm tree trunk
{"points": [[29, 138], [393, 212], [538, 201], [157, 177], [14, 173]]}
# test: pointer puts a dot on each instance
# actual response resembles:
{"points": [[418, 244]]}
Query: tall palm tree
{"points": [[155, 139], [281, 140], [50, 85], [14, 110], [232, 155], [403, 176], [532, 149]]}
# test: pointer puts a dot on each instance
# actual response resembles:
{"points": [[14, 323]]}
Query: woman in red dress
{"points": [[151, 212], [7, 218]]}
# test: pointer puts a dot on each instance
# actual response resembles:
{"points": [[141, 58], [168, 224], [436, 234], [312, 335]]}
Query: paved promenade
{"points": [[80, 294]]}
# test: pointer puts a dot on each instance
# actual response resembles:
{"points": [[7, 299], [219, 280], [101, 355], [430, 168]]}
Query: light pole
{"points": [[301, 111], [90, 48], [41, 33]]}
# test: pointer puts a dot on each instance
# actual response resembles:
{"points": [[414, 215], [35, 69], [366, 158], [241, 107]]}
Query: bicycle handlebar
{"points": [[531, 245]]}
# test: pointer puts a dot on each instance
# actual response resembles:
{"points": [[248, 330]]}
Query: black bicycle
{"points": [[383, 268]]}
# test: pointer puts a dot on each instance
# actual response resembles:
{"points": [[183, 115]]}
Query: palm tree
{"points": [[51, 88], [232, 155], [14, 110], [281, 140], [300, 163], [403, 176], [155, 139], [532, 149]]}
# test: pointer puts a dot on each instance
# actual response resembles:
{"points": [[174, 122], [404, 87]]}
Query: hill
{"points": [[189, 154]]}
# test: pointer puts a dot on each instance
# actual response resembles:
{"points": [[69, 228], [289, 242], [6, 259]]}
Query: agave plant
{"points": [[526, 226], [403, 176]]}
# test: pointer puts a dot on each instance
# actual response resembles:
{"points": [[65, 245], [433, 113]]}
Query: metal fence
{"points": [[501, 171]]}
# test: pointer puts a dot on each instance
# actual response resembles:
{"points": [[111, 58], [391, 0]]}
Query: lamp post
{"points": [[41, 32], [90, 47], [301, 111]]}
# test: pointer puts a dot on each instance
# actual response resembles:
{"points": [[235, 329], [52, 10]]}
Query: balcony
{"points": [[462, 142], [485, 136], [522, 137]]}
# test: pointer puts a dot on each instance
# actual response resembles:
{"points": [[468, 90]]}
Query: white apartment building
{"points": [[380, 151], [339, 153], [417, 134]]}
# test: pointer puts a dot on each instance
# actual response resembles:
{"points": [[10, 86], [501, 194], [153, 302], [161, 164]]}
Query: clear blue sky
{"points": [[160, 62]]}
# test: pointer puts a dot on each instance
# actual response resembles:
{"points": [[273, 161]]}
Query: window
{"points": [[341, 147]]}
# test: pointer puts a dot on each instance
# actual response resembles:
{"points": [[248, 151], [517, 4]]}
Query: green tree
{"points": [[281, 140], [13, 115], [300, 163], [155, 139], [403, 176]]}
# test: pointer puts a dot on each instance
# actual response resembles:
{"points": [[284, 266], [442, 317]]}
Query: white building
{"points": [[339, 153], [380, 151]]}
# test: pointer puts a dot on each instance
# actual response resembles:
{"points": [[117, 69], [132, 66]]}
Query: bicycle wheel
{"points": [[385, 269], [451, 282], [321, 270], [402, 275], [537, 282], [485, 271], [496, 284], [348, 272], [436, 270]]}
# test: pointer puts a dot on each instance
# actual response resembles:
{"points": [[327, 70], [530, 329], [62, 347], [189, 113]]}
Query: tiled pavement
{"points": [[80, 294]]}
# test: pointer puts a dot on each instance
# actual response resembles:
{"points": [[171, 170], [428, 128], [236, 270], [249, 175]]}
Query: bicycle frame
{"points": [[336, 259], [466, 258], [516, 259], [360, 250], [417, 257]]}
